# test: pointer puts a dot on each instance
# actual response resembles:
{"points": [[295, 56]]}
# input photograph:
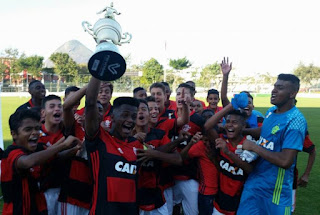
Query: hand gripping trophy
{"points": [[106, 63]]}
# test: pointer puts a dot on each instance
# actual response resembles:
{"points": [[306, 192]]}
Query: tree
{"points": [[152, 72], [65, 66], [3, 68], [209, 74], [84, 74], [32, 64], [307, 74], [268, 78], [11, 53], [180, 64]]}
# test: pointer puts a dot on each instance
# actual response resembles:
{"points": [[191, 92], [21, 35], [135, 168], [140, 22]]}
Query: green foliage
{"points": [[170, 77], [268, 78], [180, 64], [3, 68], [152, 72], [307, 74], [209, 74], [83, 73], [64, 66], [11, 53], [32, 64]]}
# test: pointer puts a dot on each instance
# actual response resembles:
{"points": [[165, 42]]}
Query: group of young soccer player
{"points": [[150, 155]]}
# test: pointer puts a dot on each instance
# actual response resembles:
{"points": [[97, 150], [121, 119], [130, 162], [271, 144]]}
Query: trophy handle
{"points": [[88, 28], [126, 38]]}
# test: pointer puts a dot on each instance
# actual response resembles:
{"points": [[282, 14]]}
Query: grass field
{"points": [[308, 199]]}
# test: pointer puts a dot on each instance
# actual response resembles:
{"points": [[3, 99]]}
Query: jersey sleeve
{"points": [[13, 158], [308, 145], [196, 150], [295, 134], [165, 140]]}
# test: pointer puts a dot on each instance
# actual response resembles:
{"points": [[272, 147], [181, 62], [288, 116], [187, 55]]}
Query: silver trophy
{"points": [[106, 63]]}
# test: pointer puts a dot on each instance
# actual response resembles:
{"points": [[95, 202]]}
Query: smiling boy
{"points": [[282, 135], [18, 176], [112, 155]]}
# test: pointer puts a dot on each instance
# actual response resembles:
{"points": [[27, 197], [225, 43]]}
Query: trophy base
{"points": [[107, 65]]}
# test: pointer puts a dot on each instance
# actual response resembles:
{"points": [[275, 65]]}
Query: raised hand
{"points": [[146, 154], [184, 134], [225, 66], [222, 145], [71, 141], [140, 136], [196, 138]]}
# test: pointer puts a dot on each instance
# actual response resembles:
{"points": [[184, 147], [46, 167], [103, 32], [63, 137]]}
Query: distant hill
{"points": [[76, 50]]}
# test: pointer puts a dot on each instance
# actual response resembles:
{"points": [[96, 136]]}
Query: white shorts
{"points": [[216, 212], [186, 192], [168, 195], [163, 210], [69, 209], [52, 196]]}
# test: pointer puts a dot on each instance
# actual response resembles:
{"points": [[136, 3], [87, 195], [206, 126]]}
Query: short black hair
{"points": [[125, 101], [143, 101], [248, 94], [192, 90], [240, 113], [150, 99], [137, 89], [291, 78], [70, 89], [33, 82], [191, 82], [17, 117], [158, 85], [213, 91], [207, 110], [49, 98], [166, 84]]}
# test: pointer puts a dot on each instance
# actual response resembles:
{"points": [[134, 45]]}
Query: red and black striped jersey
{"points": [[27, 105], [107, 117], [114, 172], [166, 114], [172, 105], [168, 125], [77, 186], [51, 171], [308, 147], [189, 168], [20, 192], [231, 181], [150, 193], [208, 172]]}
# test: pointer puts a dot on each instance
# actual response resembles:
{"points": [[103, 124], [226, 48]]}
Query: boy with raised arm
{"points": [[255, 118], [233, 170], [112, 155]]}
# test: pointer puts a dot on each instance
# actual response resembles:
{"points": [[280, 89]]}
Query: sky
{"points": [[258, 36]]}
